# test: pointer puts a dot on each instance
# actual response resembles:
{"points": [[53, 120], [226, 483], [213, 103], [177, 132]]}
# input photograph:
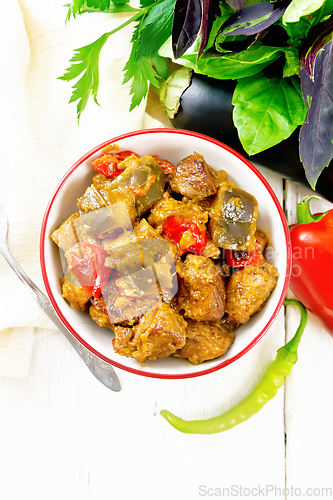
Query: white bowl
{"points": [[172, 145]]}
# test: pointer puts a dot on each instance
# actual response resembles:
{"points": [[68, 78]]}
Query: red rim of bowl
{"points": [[74, 332]]}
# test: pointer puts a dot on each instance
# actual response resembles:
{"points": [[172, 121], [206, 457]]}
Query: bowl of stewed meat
{"points": [[165, 253]]}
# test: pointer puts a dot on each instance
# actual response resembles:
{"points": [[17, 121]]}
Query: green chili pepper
{"points": [[266, 389]]}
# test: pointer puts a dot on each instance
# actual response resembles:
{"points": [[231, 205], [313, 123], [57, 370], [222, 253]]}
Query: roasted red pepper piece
{"points": [[107, 165], [166, 165], [87, 262], [241, 259], [312, 264], [125, 154], [181, 230]]}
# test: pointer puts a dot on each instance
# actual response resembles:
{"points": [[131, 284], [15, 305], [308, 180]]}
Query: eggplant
{"points": [[206, 107], [233, 217]]}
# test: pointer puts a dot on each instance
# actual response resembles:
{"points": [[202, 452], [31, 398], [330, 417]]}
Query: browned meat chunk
{"points": [[205, 341], [76, 295], [128, 298], [168, 207], [248, 289], [158, 334], [194, 178], [98, 312], [202, 291], [211, 250]]}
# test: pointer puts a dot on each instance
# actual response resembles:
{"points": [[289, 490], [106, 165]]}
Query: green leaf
{"points": [[78, 7], [155, 28], [291, 66], [142, 70], [267, 111], [161, 66], [298, 31], [242, 65], [146, 3], [86, 60], [298, 8]]}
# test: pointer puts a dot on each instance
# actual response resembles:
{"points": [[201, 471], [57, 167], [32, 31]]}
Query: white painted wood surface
{"points": [[64, 436]]}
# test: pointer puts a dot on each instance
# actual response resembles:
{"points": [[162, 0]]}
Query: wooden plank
{"points": [[68, 437], [308, 403]]}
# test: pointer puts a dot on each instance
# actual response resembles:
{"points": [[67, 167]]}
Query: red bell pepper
{"points": [[122, 155], [241, 259], [87, 262], [107, 164], [166, 165], [312, 264], [179, 230]]}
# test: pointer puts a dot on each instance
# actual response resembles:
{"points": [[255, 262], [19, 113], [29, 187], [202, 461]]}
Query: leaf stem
{"points": [[136, 16], [303, 213]]}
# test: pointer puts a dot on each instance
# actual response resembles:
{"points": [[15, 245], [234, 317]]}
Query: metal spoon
{"points": [[99, 368]]}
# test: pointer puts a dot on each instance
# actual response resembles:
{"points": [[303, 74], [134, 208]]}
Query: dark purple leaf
{"points": [[210, 10], [253, 19], [186, 25], [236, 4], [316, 40], [316, 135]]}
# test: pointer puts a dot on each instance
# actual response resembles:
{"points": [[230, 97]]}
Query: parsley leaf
{"points": [[77, 7], [155, 28], [144, 65], [86, 61], [143, 69]]}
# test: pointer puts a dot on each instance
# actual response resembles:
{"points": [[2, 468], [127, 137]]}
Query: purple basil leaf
{"points": [[210, 10], [253, 19], [186, 25], [316, 135], [316, 40], [236, 4]]}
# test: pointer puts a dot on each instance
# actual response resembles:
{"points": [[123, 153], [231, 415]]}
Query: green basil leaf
{"points": [[267, 111], [298, 8], [298, 31], [291, 66], [226, 12], [242, 65]]}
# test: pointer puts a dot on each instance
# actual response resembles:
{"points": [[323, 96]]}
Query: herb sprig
{"points": [[280, 53], [144, 66]]}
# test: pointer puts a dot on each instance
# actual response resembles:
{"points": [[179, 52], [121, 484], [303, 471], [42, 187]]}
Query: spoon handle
{"points": [[103, 371]]}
